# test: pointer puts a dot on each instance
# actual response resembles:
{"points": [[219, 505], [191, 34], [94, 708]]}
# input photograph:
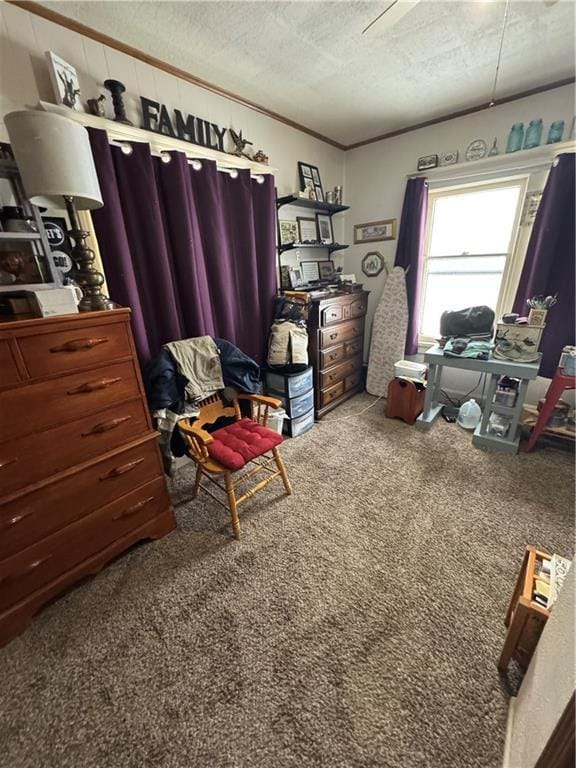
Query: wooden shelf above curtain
{"points": [[158, 142]]}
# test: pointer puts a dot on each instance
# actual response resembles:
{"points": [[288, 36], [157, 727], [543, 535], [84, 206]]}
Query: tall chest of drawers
{"points": [[336, 340], [80, 472]]}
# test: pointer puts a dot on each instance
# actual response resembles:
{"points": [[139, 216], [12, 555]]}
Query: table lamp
{"points": [[56, 165]]}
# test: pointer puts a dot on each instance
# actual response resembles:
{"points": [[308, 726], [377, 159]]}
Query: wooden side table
{"points": [[405, 400], [525, 619], [558, 385]]}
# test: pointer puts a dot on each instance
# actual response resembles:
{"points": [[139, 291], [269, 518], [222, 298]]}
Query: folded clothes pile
{"points": [[465, 347]]}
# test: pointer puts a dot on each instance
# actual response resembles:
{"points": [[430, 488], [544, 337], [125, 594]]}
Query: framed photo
{"points": [[64, 82], [372, 264], [326, 270], [288, 232], [375, 231], [307, 230], [449, 158], [310, 173], [427, 162], [310, 271], [324, 227], [517, 342]]}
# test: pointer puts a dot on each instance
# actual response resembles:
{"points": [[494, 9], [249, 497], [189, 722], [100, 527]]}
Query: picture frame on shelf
{"points": [[449, 158], [288, 232], [326, 270], [307, 232], [324, 228], [375, 231], [310, 271], [427, 162], [373, 264], [309, 177], [65, 82]]}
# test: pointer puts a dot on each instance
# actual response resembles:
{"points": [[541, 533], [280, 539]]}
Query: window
{"points": [[469, 250]]}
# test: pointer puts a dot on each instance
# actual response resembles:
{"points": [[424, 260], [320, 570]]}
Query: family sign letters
{"points": [[196, 130]]}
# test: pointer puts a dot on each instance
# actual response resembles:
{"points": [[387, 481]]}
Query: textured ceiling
{"points": [[309, 61]]}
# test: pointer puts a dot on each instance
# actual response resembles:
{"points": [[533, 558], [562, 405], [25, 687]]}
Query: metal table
{"points": [[495, 369]]}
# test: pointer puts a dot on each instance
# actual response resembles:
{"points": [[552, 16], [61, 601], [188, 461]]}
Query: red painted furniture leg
{"points": [[559, 383]]}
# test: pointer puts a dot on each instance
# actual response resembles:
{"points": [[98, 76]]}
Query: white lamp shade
{"points": [[54, 159]]}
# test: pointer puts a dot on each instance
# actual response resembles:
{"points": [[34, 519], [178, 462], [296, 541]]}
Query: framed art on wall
{"points": [[307, 230], [324, 226], [375, 231], [309, 177], [64, 82], [372, 264]]}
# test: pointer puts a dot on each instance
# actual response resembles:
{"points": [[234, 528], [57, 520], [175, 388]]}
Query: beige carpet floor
{"points": [[356, 624]]}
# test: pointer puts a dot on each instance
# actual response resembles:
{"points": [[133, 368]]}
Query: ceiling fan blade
{"points": [[394, 11]]}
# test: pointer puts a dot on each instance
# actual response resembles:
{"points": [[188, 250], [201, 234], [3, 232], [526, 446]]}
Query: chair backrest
{"points": [[212, 409]]}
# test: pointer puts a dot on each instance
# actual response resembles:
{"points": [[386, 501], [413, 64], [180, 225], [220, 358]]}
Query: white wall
{"points": [[24, 80], [376, 179], [548, 684]]}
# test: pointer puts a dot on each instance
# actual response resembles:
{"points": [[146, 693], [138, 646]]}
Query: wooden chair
{"points": [[202, 448]]}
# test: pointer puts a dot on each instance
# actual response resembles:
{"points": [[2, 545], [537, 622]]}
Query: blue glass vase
{"points": [[515, 138], [555, 132], [533, 134]]}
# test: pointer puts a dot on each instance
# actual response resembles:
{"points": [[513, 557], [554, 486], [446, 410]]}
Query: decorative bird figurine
{"points": [[240, 143]]}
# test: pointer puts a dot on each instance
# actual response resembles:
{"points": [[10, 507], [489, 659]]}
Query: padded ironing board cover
{"points": [[389, 329]]}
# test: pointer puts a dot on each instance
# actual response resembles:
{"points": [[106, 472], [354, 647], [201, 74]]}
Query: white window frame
{"points": [[516, 252]]}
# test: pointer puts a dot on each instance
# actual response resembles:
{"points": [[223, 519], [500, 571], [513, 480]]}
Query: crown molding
{"points": [[76, 26]]}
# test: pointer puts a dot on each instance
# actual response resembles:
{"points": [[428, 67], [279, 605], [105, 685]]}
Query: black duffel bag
{"points": [[473, 321]]}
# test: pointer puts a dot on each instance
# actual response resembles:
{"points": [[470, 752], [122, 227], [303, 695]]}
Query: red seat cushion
{"points": [[237, 444]]}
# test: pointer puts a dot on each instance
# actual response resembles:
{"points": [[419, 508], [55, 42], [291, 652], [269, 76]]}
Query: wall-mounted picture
{"points": [[326, 270], [517, 342], [309, 177], [64, 82], [324, 225], [449, 158], [372, 264], [306, 230], [375, 231], [427, 162], [288, 232]]}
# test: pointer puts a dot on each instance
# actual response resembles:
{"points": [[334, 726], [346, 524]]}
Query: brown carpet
{"points": [[357, 623]]}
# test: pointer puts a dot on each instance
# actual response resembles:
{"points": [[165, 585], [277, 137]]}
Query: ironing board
{"points": [[389, 329]]}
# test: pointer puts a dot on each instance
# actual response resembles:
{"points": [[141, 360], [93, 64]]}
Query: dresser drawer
{"points": [[339, 372], [342, 332], [353, 380], [26, 460], [331, 393], [62, 351], [30, 518], [357, 307], [333, 313], [332, 355], [33, 407], [353, 347], [35, 567], [8, 370]]}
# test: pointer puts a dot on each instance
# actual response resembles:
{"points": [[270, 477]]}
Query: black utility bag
{"points": [[473, 321]]}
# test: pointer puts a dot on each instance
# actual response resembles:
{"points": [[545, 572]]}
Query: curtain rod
{"points": [[500, 170], [195, 162]]}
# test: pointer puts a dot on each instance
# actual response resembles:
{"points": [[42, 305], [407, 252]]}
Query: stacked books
{"points": [[548, 579]]}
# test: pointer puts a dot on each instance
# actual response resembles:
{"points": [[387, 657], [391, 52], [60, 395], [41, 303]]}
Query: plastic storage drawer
{"points": [[290, 384], [295, 427], [296, 406]]}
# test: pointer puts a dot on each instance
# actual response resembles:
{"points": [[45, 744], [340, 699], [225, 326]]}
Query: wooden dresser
{"points": [[336, 341], [80, 472]]}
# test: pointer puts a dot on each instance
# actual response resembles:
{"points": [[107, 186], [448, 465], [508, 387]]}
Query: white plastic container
{"points": [[276, 418], [469, 414]]}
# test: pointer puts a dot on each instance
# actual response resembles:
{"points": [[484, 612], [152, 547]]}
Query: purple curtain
{"points": [[191, 252], [550, 259], [409, 252]]}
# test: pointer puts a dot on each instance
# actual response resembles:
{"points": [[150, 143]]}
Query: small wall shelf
{"points": [[304, 202], [27, 236], [329, 247]]}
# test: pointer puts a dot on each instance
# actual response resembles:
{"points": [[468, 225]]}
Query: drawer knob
{"points": [[94, 386], [7, 462], [334, 336], [25, 571], [75, 345], [106, 426], [121, 470], [133, 509], [12, 521]]}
